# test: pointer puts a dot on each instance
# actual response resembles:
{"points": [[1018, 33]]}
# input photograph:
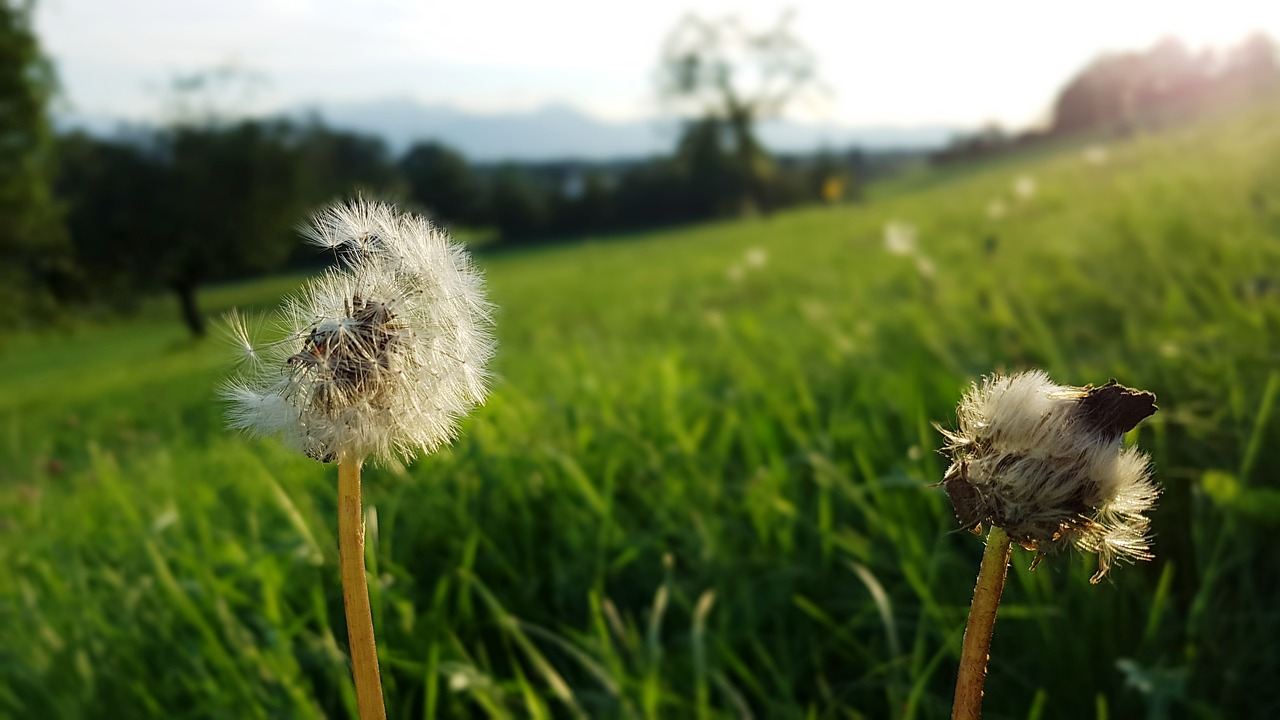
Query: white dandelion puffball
{"points": [[996, 209], [1024, 187], [381, 355], [899, 238], [1096, 155], [1047, 464]]}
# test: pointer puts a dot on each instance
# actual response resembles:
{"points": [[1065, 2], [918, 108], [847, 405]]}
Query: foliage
{"points": [[196, 203], [518, 205], [1166, 83], [1121, 93], [441, 181], [338, 163], [696, 491], [33, 250], [184, 207]]}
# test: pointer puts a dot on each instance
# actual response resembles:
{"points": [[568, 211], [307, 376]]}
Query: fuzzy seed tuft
{"points": [[1046, 463], [382, 355]]}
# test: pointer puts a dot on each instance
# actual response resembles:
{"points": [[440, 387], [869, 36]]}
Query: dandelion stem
{"points": [[977, 634], [355, 594]]}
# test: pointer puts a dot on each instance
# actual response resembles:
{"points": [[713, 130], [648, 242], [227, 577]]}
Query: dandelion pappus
{"points": [[382, 354]]}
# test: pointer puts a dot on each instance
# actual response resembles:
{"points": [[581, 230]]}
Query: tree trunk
{"points": [[190, 310], [746, 149]]}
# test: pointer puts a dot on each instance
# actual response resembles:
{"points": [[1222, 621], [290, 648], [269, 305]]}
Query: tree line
{"points": [[175, 208], [1122, 93], [102, 221]]}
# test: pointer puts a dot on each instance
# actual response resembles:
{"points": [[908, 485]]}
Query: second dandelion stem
{"points": [[977, 634], [355, 594]]}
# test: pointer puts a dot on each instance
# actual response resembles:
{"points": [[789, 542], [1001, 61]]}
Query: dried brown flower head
{"points": [[1046, 463]]}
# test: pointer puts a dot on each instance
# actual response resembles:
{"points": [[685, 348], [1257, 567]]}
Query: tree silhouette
{"points": [[180, 208], [344, 163], [441, 181], [1166, 83], [34, 254], [517, 205], [724, 72]]}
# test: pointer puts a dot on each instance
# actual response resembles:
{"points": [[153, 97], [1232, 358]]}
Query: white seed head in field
{"points": [[381, 355], [1047, 464], [1024, 186], [900, 238]]}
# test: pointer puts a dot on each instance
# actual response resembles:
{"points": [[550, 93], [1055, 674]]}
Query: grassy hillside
{"points": [[702, 487]]}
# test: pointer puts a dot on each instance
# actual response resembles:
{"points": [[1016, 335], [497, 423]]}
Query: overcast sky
{"points": [[897, 62]]}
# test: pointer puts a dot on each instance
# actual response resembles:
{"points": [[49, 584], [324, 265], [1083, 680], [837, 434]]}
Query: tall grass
{"points": [[695, 492]]}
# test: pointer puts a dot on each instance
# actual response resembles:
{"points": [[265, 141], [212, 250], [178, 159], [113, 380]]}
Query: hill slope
{"points": [[703, 484]]}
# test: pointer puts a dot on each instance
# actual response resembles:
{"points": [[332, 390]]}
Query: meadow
{"points": [[705, 483]]}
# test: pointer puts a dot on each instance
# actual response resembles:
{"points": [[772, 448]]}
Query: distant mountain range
{"points": [[558, 132]]}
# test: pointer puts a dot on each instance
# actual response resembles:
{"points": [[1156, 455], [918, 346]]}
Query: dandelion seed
{"points": [[1025, 187], [927, 269], [1096, 155], [756, 258], [996, 209], [241, 337], [1045, 463], [900, 238]]}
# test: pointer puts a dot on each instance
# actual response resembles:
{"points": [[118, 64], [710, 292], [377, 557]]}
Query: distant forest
{"points": [[1122, 93]]}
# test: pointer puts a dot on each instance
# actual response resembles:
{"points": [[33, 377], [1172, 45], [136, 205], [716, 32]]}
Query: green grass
{"points": [[693, 496]]}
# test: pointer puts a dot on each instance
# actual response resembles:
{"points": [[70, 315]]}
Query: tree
{"points": [[723, 72], [1103, 95], [1166, 83], [108, 188], [441, 181], [33, 249], [180, 208], [343, 163], [517, 205], [1254, 64], [715, 182], [234, 195]]}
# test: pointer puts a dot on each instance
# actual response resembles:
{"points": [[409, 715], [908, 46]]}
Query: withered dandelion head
{"points": [[379, 356], [1046, 463]]}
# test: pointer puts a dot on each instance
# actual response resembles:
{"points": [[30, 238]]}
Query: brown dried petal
{"points": [[1113, 409]]}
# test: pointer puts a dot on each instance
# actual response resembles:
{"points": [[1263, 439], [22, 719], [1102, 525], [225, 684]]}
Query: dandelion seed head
{"points": [[459, 682], [1025, 187], [378, 357], [1096, 155], [1046, 463], [900, 238], [926, 267]]}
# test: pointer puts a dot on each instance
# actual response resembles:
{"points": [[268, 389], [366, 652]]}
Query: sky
{"points": [[881, 62]]}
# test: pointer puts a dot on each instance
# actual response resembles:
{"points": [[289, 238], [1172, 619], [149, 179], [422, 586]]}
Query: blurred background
{"points": [[518, 124], [745, 253]]}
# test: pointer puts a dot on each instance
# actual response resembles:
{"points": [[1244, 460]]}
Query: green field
{"points": [[703, 485]]}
